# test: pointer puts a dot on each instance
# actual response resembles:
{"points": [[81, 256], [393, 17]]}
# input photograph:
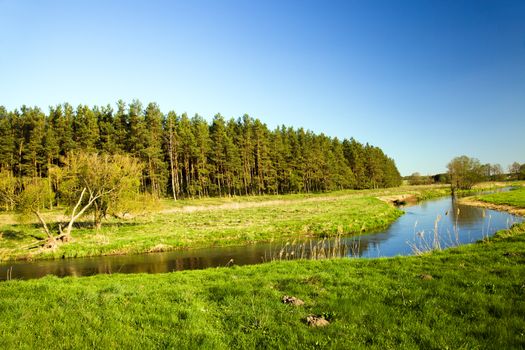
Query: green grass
{"points": [[208, 222], [514, 198], [476, 299], [212, 226]]}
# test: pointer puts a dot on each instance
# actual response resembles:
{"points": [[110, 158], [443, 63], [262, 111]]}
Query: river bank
{"points": [[512, 202], [212, 222], [465, 297], [217, 222]]}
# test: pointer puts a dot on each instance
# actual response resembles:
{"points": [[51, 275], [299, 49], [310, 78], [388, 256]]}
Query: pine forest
{"points": [[187, 157]]}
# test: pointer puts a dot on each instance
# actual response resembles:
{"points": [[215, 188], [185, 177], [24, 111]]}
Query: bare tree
{"points": [[32, 199], [91, 182], [99, 184], [514, 170]]}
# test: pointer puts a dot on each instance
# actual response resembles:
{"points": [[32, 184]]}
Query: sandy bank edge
{"points": [[501, 207]]}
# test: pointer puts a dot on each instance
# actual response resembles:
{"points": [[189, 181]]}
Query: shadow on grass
{"points": [[13, 235], [54, 226], [19, 235]]}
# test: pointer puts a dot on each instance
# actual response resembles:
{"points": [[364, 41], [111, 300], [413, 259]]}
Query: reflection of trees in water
{"points": [[467, 214]]}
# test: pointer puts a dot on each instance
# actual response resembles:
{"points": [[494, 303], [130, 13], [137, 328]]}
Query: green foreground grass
{"points": [[476, 299], [217, 222]]}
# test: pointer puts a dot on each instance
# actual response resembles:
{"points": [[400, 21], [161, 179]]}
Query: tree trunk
{"points": [[97, 216], [172, 168]]}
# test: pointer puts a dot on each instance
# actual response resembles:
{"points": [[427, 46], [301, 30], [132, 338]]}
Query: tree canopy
{"points": [[188, 157], [464, 172]]}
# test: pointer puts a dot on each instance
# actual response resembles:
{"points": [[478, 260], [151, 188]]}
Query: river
{"points": [[429, 224]]}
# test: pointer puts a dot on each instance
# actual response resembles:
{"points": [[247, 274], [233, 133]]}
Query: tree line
{"points": [[464, 172], [186, 157]]}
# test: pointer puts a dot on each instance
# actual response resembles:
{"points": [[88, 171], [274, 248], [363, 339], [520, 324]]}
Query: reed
{"points": [[442, 239], [327, 248]]}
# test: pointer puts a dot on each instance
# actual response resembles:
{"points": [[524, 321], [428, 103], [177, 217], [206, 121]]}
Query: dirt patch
{"points": [[501, 207], [316, 321], [399, 199], [292, 301], [426, 277], [158, 248]]}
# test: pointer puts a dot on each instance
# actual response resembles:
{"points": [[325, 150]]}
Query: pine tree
{"points": [[33, 133], [247, 152], [186, 149], [121, 128], [202, 149], [85, 128], [152, 152], [172, 141], [107, 142], [218, 154], [7, 141], [188, 157], [233, 159]]}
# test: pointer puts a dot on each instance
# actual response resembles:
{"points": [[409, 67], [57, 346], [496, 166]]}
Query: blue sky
{"points": [[424, 80]]}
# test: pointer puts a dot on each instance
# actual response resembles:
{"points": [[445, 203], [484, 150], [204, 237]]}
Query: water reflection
{"points": [[455, 223]]}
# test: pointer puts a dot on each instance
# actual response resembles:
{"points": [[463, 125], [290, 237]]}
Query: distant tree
{"points": [[417, 179], [442, 178], [464, 172], [514, 170], [497, 172], [521, 175]]}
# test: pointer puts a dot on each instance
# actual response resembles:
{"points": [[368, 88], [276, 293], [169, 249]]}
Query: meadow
{"points": [[212, 222], [515, 198], [472, 296]]}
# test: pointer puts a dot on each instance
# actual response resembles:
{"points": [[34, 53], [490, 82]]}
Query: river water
{"points": [[429, 224]]}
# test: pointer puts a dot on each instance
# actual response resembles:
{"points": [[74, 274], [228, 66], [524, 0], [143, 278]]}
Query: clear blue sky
{"points": [[424, 80]]}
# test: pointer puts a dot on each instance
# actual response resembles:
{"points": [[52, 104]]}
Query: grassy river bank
{"points": [[216, 222], [472, 296]]}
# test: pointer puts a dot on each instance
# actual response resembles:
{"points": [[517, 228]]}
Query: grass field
{"points": [[514, 198], [212, 227], [474, 299], [215, 222]]}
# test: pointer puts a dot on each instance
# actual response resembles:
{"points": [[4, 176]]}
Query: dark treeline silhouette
{"points": [[188, 157]]}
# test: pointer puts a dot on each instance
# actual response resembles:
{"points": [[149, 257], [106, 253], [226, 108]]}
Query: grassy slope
{"points": [[475, 300], [218, 222], [514, 198]]}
